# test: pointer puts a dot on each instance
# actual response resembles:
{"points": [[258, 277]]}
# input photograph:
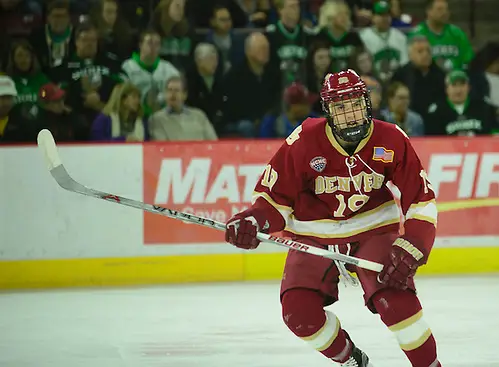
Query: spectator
{"points": [[289, 42], [149, 73], [204, 84], [19, 17], [451, 48], [362, 62], [336, 30], [88, 76], [425, 80], [137, 13], [398, 111], [249, 89], [14, 128], [115, 35], [361, 11], [298, 107], [458, 114], [177, 121], [54, 42], [484, 74], [64, 124], [177, 38], [25, 71], [375, 92], [244, 13], [230, 46], [387, 45], [122, 119], [254, 13], [318, 65], [399, 20], [308, 11]]}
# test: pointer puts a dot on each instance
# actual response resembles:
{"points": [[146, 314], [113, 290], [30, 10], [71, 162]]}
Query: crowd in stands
{"points": [[164, 70]]}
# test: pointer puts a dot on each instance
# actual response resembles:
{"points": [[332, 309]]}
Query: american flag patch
{"points": [[383, 155]]}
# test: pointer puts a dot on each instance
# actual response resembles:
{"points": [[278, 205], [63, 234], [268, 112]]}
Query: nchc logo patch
{"points": [[318, 164], [383, 155]]}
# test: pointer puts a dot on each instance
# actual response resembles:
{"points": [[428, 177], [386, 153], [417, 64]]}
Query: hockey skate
{"points": [[357, 359]]}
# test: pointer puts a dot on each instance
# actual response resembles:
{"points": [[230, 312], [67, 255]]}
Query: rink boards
{"points": [[50, 237]]}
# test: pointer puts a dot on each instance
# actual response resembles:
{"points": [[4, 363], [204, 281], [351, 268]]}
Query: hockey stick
{"points": [[47, 144]]}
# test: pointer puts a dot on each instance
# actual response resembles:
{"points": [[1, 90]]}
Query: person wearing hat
{"points": [[459, 114], [386, 44], [297, 107], [14, 128], [57, 117]]}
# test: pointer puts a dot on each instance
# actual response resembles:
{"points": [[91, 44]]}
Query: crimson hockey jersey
{"points": [[312, 187]]}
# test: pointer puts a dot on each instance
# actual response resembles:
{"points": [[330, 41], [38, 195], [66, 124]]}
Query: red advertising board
{"points": [[216, 180]]}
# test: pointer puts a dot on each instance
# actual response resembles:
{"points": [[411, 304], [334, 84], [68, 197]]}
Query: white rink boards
{"points": [[229, 325]]}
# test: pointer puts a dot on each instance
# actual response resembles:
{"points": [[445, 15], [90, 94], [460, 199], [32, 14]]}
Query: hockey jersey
{"points": [[389, 50], [288, 51], [312, 187], [451, 50], [341, 49], [474, 117], [150, 80]]}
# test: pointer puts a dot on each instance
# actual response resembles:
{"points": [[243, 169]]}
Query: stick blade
{"points": [[47, 145]]}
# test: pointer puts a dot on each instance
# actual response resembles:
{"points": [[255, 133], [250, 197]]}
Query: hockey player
{"points": [[327, 186]]}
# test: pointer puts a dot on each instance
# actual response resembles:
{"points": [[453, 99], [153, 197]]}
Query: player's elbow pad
{"points": [[271, 215]]}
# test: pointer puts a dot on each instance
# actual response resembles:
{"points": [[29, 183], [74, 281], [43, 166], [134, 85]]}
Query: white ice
{"points": [[233, 325]]}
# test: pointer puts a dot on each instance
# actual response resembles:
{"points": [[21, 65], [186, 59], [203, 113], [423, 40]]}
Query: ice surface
{"points": [[233, 325]]}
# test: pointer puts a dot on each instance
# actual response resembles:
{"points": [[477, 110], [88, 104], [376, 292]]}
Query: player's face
{"points": [[109, 12], [348, 112], [23, 59], [458, 92]]}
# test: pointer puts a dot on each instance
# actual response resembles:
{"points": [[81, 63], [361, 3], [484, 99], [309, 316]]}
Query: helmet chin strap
{"points": [[343, 135]]}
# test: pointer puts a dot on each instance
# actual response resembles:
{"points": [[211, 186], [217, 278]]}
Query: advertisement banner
{"points": [[216, 180], [464, 173], [212, 180]]}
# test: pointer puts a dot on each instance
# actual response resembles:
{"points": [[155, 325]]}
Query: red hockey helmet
{"points": [[346, 102]]}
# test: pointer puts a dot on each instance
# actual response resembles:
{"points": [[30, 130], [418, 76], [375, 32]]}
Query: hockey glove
{"points": [[243, 227], [401, 264]]}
